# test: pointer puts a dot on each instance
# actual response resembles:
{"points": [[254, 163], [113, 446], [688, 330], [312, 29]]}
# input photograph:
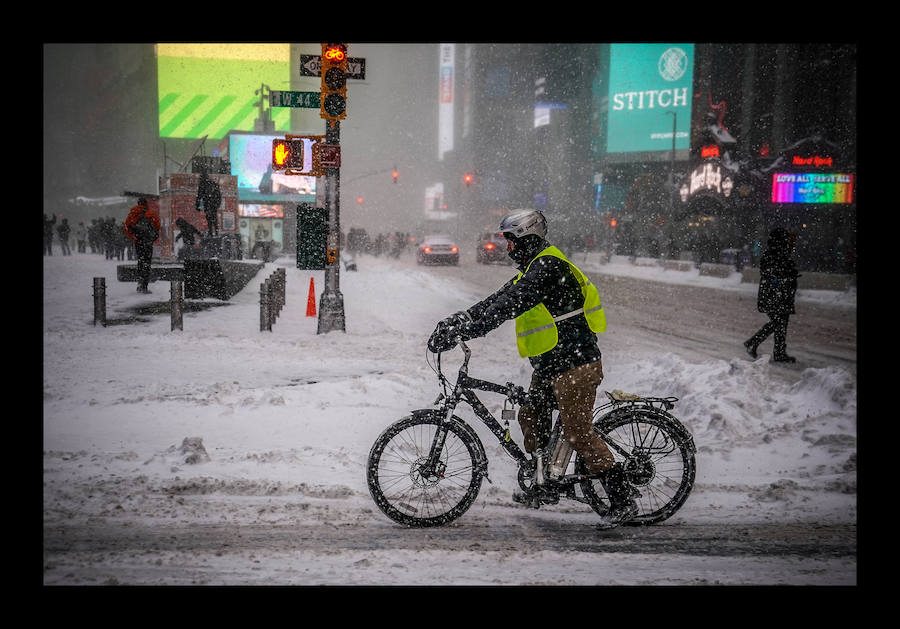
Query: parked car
{"points": [[437, 249], [491, 247]]}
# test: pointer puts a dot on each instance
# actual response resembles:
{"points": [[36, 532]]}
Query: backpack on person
{"points": [[144, 229]]}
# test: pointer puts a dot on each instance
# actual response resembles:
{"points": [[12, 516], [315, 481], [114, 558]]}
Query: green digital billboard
{"points": [[211, 89], [650, 90]]}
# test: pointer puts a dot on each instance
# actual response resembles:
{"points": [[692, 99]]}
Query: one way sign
{"points": [[311, 65]]}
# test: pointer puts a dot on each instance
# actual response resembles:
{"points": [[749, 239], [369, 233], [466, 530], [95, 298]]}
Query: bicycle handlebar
{"points": [[515, 393]]}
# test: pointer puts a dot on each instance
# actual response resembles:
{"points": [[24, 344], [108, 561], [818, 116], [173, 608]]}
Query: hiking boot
{"points": [[622, 495], [751, 348], [618, 514], [784, 359]]}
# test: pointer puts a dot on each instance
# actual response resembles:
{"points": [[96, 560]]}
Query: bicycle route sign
{"points": [[311, 65]]}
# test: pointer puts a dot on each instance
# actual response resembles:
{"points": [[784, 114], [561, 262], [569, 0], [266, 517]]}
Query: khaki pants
{"points": [[573, 393]]}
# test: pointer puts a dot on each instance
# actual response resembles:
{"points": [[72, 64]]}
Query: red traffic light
{"points": [[287, 154], [468, 179], [395, 175]]}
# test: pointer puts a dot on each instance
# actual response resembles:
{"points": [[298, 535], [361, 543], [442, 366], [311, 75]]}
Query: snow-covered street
{"points": [[224, 427]]}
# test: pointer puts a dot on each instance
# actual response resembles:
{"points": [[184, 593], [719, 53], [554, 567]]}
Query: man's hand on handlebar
{"points": [[451, 330], [441, 339]]}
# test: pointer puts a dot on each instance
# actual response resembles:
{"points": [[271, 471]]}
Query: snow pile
{"points": [[220, 423]]}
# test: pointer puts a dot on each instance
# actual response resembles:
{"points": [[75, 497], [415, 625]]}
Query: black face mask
{"points": [[525, 248]]}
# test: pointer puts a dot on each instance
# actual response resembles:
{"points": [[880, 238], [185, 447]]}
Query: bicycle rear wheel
{"points": [[408, 493], [658, 455]]}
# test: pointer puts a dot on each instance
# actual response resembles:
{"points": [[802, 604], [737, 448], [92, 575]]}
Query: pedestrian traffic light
{"points": [[287, 154], [333, 99]]}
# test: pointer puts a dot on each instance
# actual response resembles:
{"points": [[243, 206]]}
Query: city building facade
{"points": [[681, 151]]}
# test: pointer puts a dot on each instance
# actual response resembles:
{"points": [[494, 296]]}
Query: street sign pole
{"points": [[331, 302]]}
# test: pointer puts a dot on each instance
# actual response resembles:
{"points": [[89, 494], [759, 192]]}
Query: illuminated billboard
{"points": [[208, 89], [812, 188], [650, 89], [250, 155], [260, 210]]}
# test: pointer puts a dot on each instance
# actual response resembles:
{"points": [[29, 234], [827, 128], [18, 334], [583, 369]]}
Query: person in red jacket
{"points": [[142, 226]]}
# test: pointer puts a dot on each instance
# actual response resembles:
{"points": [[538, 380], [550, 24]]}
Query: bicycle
{"points": [[426, 469]]}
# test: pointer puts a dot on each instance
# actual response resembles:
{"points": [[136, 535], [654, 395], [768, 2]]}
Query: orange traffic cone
{"points": [[311, 301]]}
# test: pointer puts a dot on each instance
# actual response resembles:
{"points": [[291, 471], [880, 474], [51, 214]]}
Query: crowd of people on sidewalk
{"points": [[103, 236]]}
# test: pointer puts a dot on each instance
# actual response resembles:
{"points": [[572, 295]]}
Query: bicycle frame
{"points": [[464, 390]]}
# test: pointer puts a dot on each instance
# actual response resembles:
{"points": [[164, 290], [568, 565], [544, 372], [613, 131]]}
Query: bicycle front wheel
{"points": [[406, 490], [658, 455]]}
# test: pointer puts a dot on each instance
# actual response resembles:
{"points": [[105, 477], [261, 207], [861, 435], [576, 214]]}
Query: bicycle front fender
{"points": [[463, 427]]}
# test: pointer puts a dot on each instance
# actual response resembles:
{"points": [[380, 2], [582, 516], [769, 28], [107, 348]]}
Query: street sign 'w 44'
{"points": [[294, 99]]}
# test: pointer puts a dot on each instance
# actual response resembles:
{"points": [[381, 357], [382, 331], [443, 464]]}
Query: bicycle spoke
{"points": [[656, 464], [411, 488]]}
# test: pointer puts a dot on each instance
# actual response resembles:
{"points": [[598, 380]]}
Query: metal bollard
{"points": [[100, 301], [177, 304], [279, 282], [264, 323]]}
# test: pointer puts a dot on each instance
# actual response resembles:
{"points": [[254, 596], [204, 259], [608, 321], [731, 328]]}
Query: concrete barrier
{"points": [[808, 280], [717, 270], [678, 265]]}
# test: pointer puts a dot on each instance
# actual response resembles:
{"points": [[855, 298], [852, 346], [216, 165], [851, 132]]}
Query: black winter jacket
{"points": [[777, 276], [549, 280]]}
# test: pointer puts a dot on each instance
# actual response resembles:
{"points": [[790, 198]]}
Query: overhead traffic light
{"points": [[333, 99], [287, 154], [467, 179], [395, 175]]}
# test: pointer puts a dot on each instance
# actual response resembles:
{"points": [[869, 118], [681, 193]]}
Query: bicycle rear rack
{"points": [[620, 398]]}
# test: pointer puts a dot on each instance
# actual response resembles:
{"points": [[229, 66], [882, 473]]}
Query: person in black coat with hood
{"points": [[567, 375], [777, 288]]}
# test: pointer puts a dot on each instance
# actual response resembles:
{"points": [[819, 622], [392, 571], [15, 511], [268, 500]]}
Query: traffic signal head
{"points": [[468, 179], [395, 175], [333, 99], [287, 154]]}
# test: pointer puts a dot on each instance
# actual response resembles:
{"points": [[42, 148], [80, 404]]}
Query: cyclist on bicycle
{"points": [[558, 313]]}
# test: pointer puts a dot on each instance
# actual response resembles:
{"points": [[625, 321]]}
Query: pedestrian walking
{"points": [[81, 237], [777, 288], [107, 236], [48, 234], [94, 236], [63, 230], [142, 226]]}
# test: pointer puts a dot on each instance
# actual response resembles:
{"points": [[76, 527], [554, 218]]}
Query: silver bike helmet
{"points": [[521, 223]]}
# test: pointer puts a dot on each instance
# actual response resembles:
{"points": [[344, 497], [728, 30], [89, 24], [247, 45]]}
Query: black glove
{"points": [[456, 318], [441, 339], [469, 330]]}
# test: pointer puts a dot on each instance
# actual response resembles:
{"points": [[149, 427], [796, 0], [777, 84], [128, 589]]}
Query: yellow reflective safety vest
{"points": [[536, 330]]}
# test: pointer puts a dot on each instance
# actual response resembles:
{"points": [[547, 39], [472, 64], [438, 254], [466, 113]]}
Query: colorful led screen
{"points": [[250, 155], [812, 188], [210, 89]]}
